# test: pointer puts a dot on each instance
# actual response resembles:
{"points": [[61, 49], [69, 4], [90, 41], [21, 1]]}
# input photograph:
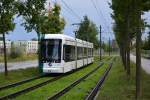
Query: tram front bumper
{"points": [[53, 70]]}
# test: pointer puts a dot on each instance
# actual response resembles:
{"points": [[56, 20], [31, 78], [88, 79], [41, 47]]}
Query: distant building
{"points": [[8, 47], [27, 46], [32, 47]]}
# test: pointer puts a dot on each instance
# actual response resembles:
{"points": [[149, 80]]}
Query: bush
{"points": [[16, 52]]}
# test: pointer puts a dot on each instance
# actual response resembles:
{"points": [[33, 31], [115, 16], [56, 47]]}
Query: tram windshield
{"points": [[51, 50]]}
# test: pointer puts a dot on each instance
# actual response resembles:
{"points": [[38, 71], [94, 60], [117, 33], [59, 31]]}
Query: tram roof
{"points": [[63, 36]]}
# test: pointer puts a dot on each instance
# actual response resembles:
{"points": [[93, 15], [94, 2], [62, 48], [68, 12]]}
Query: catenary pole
{"points": [[100, 42], [109, 46]]}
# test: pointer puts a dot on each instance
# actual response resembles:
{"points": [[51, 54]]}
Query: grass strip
{"points": [[22, 74], [119, 86], [81, 90], [50, 89], [23, 86], [18, 75]]}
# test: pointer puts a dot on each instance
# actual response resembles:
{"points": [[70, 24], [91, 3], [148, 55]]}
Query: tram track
{"points": [[31, 88], [99, 84], [78, 81], [21, 82], [73, 84]]}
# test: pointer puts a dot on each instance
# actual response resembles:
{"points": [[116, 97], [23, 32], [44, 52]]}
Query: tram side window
{"points": [[69, 53], [92, 52], [85, 52], [80, 53], [89, 52]]}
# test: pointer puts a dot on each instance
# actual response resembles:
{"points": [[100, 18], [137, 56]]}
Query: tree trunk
{"points": [[128, 40], [123, 56], [128, 61], [138, 48], [128, 46], [5, 55], [138, 61]]}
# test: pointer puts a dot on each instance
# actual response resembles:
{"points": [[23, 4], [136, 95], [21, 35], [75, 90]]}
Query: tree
{"points": [[122, 15], [140, 7], [52, 22], [129, 24], [36, 18], [88, 31], [6, 22], [32, 13]]}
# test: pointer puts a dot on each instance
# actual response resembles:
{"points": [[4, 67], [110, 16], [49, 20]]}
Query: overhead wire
{"points": [[71, 10], [104, 19], [98, 13], [94, 5], [66, 8], [68, 11], [101, 13], [96, 8]]}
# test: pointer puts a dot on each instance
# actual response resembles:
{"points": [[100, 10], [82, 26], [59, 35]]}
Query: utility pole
{"points": [[103, 46], [100, 42], [76, 52], [5, 55], [109, 46]]}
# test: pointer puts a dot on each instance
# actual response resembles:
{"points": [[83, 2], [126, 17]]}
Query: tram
{"points": [[61, 53]]}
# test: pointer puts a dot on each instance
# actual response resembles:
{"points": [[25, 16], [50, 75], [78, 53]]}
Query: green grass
{"points": [[22, 58], [15, 76], [18, 75], [81, 90], [50, 89], [119, 86], [23, 86], [145, 86]]}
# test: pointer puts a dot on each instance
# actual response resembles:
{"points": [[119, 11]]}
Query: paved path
{"points": [[145, 63], [19, 65]]}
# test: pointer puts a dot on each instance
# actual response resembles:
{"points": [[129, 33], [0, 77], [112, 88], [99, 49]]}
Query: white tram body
{"points": [[61, 53]]}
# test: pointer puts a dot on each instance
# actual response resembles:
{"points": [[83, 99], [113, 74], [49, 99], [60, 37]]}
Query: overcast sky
{"points": [[81, 8]]}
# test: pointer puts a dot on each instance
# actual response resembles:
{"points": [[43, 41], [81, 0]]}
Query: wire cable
{"points": [[71, 10]]}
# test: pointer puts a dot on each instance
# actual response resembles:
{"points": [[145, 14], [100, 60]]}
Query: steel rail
{"points": [[69, 87], [20, 82], [31, 88], [28, 89], [95, 90]]}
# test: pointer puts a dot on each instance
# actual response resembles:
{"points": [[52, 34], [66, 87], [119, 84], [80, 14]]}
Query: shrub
{"points": [[16, 52]]}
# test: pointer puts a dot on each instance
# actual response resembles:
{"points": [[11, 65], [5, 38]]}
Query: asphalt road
{"points": [[19, 65], [145, 63]]}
